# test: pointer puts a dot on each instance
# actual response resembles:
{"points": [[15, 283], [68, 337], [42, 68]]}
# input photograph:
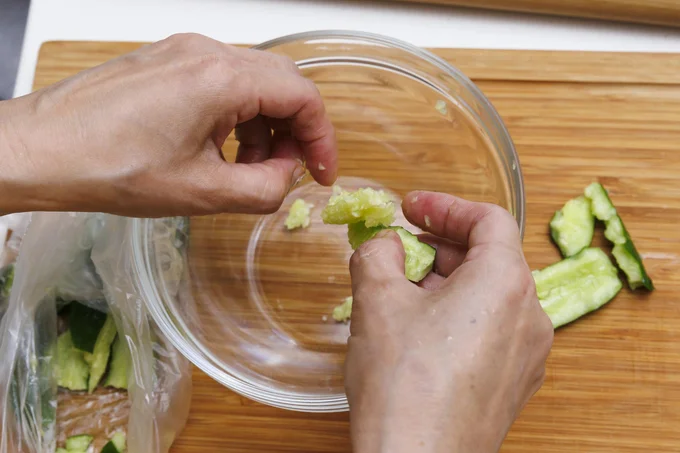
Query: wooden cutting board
{"points": [[658, 12], [613, 378]]}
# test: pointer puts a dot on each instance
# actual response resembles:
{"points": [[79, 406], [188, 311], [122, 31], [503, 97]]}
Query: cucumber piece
{"points": [[627, 257], [85, 324], [6, 281], [572, 227], [419, 256], [630, 262], [298, 215], [576, 285], [343, 312], [358, 233], [61, 450], [119, 441], [78, 443], [614, 230], [120, 365], [71, 370], [116, 444], [373, 207], [601, 205], [101, 353]]}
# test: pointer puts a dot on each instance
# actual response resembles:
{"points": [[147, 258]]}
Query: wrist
{"points": [[22, 188]]}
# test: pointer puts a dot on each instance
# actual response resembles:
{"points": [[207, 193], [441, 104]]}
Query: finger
{"points": [[465, 222], [431, 281], [257, 188], [254, 137], [283, 95], [449, 254]]}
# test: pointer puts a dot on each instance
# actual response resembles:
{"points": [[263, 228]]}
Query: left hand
{"points": [[141, 134]]}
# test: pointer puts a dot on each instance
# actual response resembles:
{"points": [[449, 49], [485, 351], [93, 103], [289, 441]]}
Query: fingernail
{"points": [[298, 175], [383, 233]]}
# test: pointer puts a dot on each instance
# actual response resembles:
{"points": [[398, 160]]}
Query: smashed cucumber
{"points": [[79, 443], [373, 207], [572, 227], [343, 312], [576, 285], [101, 353], [419, 256], [298, 215], [116, 444], [85, 324], [627, 257], [120, 365], [71, 370]]}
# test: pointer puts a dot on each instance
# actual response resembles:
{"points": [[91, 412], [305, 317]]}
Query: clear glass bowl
{"points": [[255, 301]]}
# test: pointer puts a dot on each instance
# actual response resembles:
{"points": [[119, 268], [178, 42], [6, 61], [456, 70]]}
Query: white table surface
{"points": [[253, 21]]}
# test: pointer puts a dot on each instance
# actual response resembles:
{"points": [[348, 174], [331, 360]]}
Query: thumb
{"points": [[377, 262], [257, 188]]}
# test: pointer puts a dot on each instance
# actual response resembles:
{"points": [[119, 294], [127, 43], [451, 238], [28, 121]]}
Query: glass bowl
{"points": [[255, 300]]}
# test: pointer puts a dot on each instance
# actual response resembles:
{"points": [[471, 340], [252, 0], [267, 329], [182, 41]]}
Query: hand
{"points": [[141, 134], [448, 365]]}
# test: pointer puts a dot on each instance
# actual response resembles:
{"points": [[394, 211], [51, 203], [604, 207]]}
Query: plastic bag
{"points": [[86, 258]]}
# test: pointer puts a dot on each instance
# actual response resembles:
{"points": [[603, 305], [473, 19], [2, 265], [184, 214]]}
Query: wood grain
{"points": [[613, 380], [657, 12]]}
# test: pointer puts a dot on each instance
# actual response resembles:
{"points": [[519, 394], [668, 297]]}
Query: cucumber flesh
{"points": [[630, 262], [101, 353], [78, 443], [120, 365], [85, 324], [576, 286], [116, 444], [298, 215], [572, 226], [119, 441], [614, 230], [602, 205], [572, 300], [591, 261], [343, 312], [419, 256], [71, 370], [373, 207]]}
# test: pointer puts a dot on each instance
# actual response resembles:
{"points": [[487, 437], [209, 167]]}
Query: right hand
{"points": [[141, 134], [448, 365]]}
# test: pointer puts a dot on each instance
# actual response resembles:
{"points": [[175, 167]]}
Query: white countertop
{"points": [[254, 21]]}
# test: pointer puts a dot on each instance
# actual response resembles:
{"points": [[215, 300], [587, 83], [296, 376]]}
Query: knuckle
{"points": [[286, 63], [186, 41]]}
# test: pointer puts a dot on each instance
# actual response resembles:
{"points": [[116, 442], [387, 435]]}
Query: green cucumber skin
{"points": [[85, 324], [645, 281], [110, 448], [415, 271]]}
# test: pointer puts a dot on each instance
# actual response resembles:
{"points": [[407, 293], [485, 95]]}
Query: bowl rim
{"points": [[191, 348]]}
